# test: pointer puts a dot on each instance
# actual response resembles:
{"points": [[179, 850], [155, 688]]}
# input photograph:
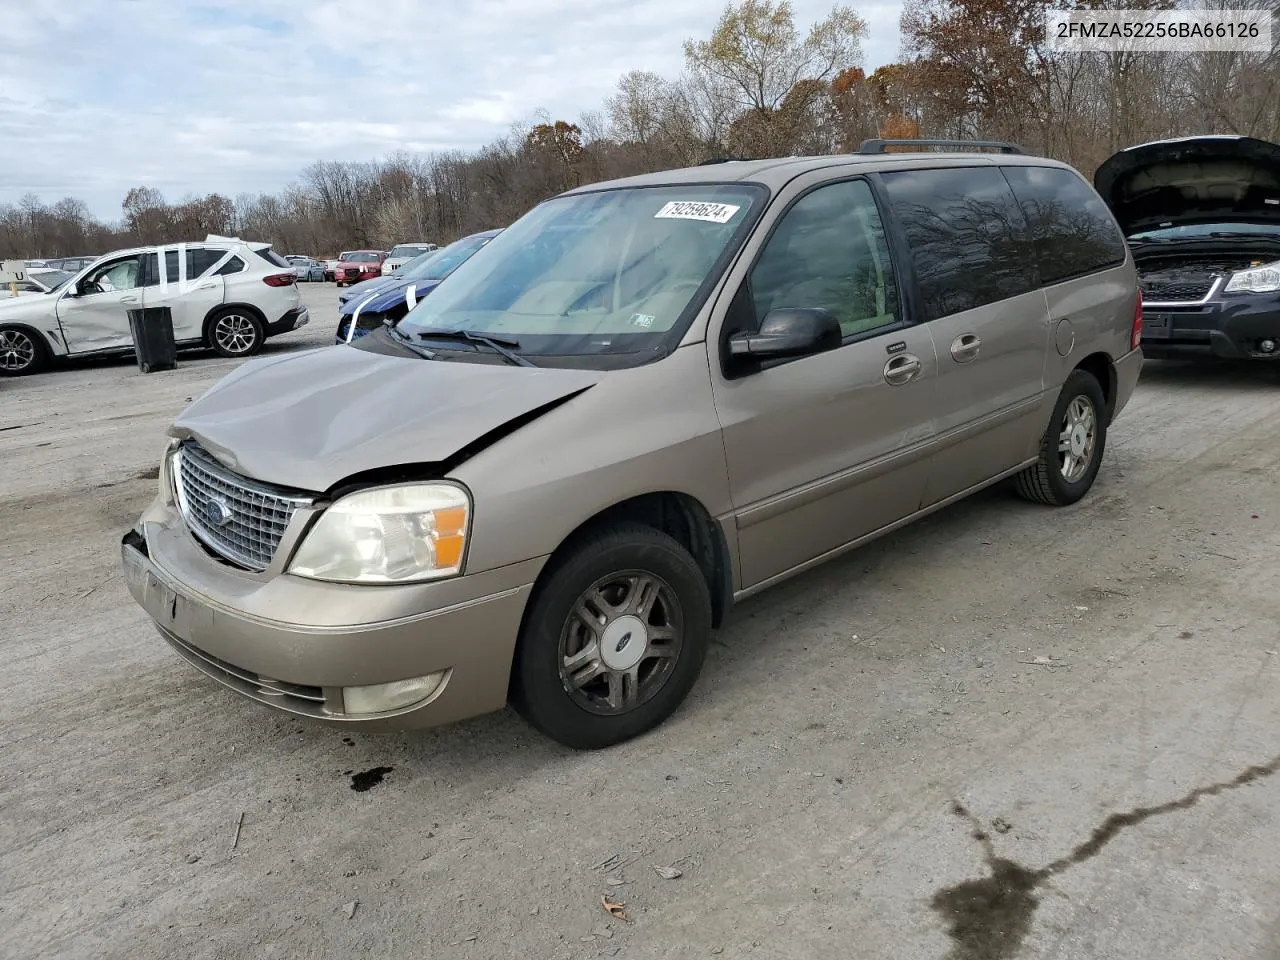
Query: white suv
{"points": [[402, 253], [224, 293]]}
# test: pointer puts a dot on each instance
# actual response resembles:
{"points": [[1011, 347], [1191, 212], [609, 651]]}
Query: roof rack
{"points": [[878, 146], [705, 163]]}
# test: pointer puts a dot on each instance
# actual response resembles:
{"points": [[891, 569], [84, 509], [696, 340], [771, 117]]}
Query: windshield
{"points": [[360, 256], [1193, 230], [613, 272], [408, 250], [440, 263]]}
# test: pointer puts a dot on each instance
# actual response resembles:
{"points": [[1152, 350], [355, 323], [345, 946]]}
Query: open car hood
{"points": [[1192, 180], [309, 420]]}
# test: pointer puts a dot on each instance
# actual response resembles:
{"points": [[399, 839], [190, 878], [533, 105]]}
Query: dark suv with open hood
{"points": [[1202, 216]]}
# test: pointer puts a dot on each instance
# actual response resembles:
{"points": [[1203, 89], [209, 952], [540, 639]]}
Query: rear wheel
{"points": [[235, 333], [614, 640], [1072, 447], [21, 352]]}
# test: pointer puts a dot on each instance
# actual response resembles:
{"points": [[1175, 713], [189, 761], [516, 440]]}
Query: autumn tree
{"points": [[758, 60]]}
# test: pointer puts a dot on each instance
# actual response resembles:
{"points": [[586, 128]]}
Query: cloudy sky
{"points": [[231, 96]]}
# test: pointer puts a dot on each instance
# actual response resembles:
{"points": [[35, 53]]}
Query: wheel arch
{"points": [[1103, 369], [680, 516], [53, 347]]}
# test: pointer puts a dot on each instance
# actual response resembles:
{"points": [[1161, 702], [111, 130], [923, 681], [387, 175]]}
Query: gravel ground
{"points": [[1005, 731]]}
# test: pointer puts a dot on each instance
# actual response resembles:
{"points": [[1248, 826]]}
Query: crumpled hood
{"points": [[309, 420], [1192, 180], [394, 290]]}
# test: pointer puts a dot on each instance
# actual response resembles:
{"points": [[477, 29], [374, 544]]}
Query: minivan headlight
{"points": [[1263, 279], [400, 534]]}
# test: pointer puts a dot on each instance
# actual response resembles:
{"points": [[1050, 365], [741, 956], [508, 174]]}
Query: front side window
{"points": [[617, 272], [114, 276], [1072, 229], [969, 242], [829, 250]]}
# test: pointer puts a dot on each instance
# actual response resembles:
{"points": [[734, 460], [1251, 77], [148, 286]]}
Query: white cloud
{"points": [[97, 96]]}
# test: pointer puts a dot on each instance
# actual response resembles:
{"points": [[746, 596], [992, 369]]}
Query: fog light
{"points": [[381, 697], [1267, 346]]}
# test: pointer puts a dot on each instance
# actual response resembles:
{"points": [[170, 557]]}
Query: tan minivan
{"points": [[643, 401]]}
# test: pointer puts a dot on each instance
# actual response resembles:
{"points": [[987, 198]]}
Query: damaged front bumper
{"points": [[324, 650]]}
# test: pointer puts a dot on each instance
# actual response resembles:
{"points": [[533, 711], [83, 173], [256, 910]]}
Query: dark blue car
{"points": [[392, 297]]}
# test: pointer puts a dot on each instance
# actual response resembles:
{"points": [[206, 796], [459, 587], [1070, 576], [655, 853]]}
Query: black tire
{"points": [[248, 332], [22, 352], [1045, 481], [537, 689]]}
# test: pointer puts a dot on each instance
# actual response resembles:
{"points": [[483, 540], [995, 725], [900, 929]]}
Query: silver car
{"points": [[642, 402]]}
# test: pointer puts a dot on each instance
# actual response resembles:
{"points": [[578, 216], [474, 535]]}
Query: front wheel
{"points": [[21, 352], [1072, 447], [235, 333], [614, 640]]}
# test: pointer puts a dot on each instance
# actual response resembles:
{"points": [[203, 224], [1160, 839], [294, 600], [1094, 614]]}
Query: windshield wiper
{"points": [[399, 337], [498, 344]]}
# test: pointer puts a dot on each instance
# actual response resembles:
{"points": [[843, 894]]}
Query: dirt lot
{"points": [[1006, 731]]}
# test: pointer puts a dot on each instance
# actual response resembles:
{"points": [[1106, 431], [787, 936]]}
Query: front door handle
{"points": [[902, 369], [128, 299], [965, 347]]}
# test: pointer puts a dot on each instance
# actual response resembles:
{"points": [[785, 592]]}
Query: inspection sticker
{"points": [[697, 210]]}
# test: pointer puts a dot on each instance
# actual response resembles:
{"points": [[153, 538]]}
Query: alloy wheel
{"points": [[1077, 439], [235, 333], [17, 350], [620, 643]]}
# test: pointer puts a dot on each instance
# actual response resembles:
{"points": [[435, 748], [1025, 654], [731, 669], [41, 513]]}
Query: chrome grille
{"points": [[238, 518]]}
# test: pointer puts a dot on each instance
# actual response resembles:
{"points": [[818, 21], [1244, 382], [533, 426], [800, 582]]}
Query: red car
{"points": [[358, 265]]}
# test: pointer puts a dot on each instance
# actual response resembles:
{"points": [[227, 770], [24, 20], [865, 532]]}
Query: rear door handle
{"points": [[965, 347], [128, 299], [902, 369]]}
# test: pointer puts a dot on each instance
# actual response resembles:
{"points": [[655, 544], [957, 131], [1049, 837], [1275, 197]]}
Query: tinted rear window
{"points": [[1073, 231], [968, 239], [274, 258]]}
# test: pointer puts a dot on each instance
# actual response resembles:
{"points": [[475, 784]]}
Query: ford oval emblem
{"points": [[218, 511]]}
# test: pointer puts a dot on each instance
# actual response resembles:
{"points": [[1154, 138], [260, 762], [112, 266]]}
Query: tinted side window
{"points": [[234, 265], [968, 239], [829, 250], [200, 259], [171, 266], [150, 270], [1073, 231]]}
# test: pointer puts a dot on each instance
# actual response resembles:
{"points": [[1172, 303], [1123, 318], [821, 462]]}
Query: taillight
{"points": [[279, 279], [1135, 337]]}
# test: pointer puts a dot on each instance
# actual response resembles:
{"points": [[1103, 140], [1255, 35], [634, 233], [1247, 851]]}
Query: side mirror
{"points": [[789, 332]]}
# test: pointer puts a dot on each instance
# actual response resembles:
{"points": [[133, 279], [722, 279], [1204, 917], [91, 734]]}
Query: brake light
{"points": [[279, 279], [1135, 337]]}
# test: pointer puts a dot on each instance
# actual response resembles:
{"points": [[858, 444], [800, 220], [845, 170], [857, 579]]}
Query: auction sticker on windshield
{"points": [[696, 210]]}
